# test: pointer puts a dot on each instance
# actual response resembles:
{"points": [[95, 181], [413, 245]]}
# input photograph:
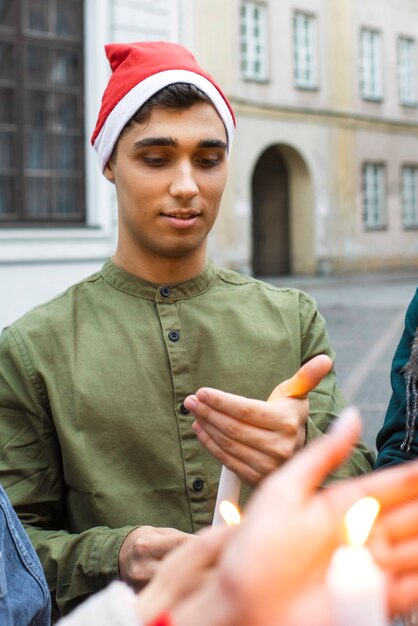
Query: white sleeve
{"points": [[114, 606]]}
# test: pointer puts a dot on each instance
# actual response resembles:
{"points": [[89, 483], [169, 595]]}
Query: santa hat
{"points": [[139, 70]]}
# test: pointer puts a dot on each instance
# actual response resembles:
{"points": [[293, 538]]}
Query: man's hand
{"points": [[142, 550], [254, 437]]}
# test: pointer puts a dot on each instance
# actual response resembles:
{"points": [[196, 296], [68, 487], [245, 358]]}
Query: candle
{"points": [[230, 513], [355, 582], [229, 489]]}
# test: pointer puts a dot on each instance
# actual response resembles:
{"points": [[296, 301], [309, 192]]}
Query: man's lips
{"points": [[181, 218]]}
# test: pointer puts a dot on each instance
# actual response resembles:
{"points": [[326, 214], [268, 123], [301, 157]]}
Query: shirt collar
{"points": [[124, 281]]}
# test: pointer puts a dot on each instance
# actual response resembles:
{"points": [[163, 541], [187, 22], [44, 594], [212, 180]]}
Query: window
{"points": [[374, 195], [410, 196], [41, 112], [371, 65], [305, 51], [253, 41], [407, 70]]}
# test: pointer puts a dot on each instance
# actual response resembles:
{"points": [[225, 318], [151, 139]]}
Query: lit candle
{"points": [[355, 582], [229, 489], [229, 513]]}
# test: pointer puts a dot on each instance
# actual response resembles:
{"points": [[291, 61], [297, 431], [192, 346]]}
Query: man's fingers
{"points": [[215, 406], [305, 379], [247, 463], [278, 438]]}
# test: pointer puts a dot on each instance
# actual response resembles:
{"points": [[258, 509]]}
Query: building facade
{"points": [[324, 169]]}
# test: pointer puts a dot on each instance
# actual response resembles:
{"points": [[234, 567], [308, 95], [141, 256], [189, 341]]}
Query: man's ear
{"points": [[108, 171]]}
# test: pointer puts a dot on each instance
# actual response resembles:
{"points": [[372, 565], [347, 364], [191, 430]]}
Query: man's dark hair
{"points": [[177, 96]]}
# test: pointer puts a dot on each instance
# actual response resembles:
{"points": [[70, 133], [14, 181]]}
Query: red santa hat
{"points": [[139, 70]]}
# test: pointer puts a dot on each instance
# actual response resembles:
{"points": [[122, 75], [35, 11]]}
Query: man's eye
{"points": [[155, 161], [209, 162]]}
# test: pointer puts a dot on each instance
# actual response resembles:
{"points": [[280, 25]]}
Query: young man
{"points": [[100, 456]]}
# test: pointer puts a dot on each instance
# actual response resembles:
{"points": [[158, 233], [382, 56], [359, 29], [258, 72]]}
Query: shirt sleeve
{"points": [[75, 565], [327, 401], [114, 606], [392, 433]]}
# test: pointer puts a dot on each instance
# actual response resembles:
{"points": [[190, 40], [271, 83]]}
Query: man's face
{"points": [[170, 173]]}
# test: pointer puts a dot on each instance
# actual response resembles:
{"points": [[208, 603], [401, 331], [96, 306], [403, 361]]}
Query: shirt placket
{"points": [[194, 470]]}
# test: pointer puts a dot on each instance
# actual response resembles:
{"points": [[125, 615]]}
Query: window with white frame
{"points": [[374, 196], [371, 64], [407, 70], [253, 41], [410, 196], [305, 51]]}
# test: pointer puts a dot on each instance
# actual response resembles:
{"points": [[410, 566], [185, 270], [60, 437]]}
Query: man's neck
{"points": [[162, 271]]}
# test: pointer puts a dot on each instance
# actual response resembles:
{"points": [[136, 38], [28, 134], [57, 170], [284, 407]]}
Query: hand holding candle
{"points": [[304, 381]]}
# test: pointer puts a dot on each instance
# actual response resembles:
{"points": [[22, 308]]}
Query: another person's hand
{"points": [[182, 573], [142, 550], [275, 565], [254, 437]]}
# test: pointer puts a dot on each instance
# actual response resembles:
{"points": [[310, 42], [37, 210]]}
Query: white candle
{"points": [[357, 588], [355, 582], [229, 489], [230, 513]]}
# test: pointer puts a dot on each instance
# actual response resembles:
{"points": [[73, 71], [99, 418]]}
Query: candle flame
{"points": [[359, 520], [230, 513]]}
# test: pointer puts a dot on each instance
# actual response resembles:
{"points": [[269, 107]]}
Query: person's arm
{"points": [[392, 434], [75, 564]]}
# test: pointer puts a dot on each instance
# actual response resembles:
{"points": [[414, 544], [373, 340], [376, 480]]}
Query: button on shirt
{"points": [[93, 440]]}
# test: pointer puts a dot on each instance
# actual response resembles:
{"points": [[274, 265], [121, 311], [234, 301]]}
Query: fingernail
{"points": [[203, 395], [190, 403], [197, 428]]}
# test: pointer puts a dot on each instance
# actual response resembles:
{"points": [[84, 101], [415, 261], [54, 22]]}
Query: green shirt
{"points": [[94, 437]]}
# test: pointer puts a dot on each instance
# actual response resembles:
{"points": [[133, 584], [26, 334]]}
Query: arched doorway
{"points": [[283, 213], [270, 201]]}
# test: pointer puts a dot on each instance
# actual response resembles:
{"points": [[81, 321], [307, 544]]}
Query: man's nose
{"points": [[184, 185]]}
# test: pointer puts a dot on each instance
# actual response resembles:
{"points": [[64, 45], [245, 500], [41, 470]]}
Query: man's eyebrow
{"points": [[156, 141], [212, 143], [169, 141]]}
